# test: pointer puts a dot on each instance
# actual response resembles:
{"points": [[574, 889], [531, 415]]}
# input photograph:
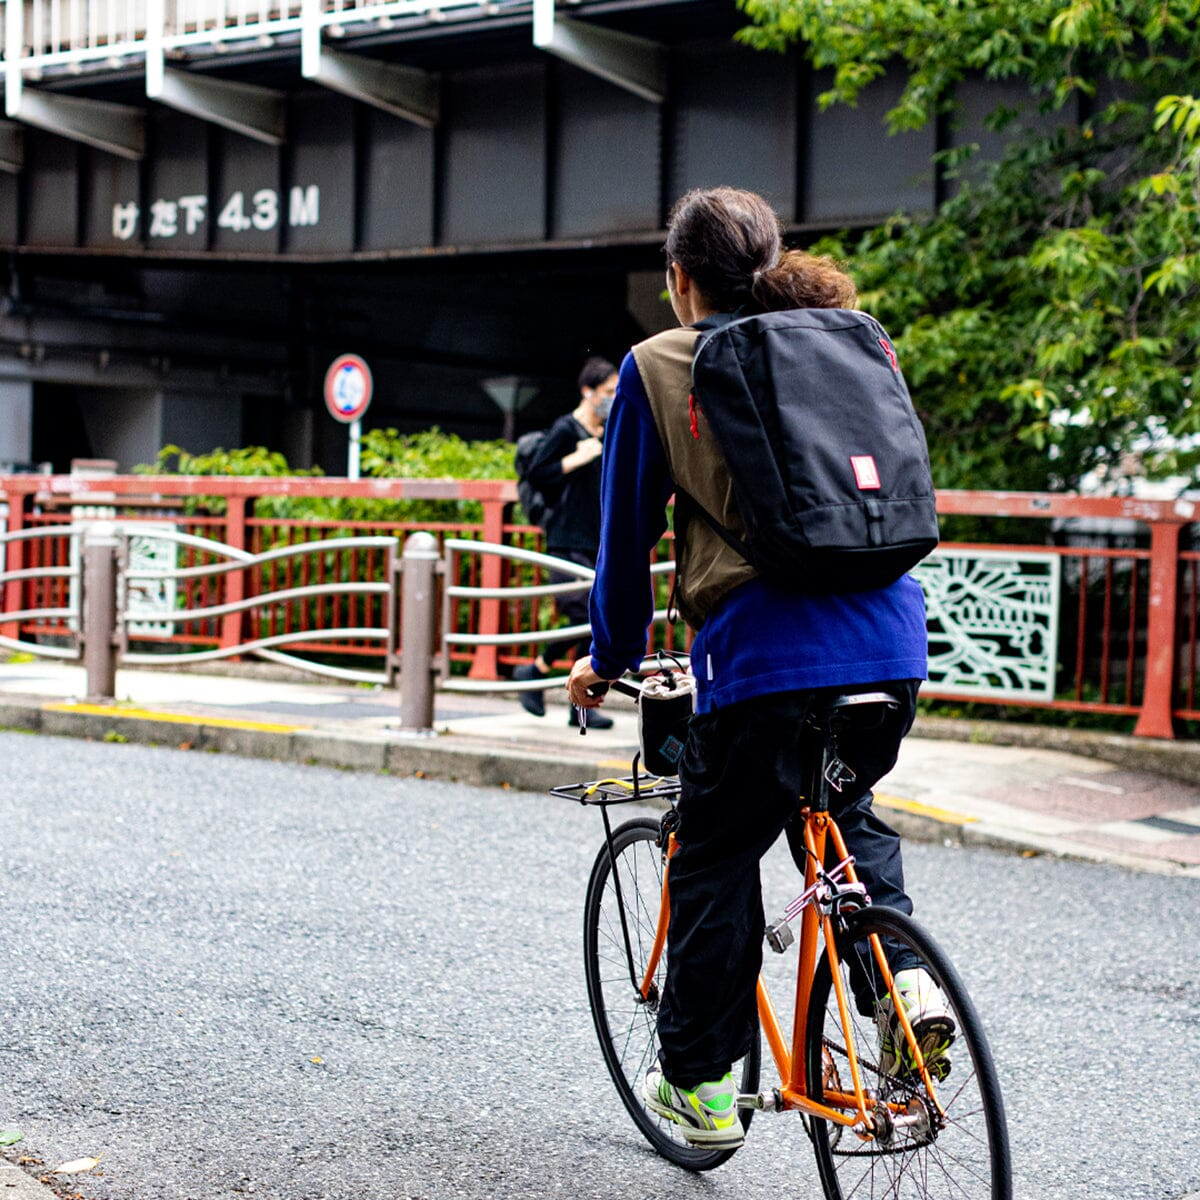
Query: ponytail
{"points": [[801, 280]]}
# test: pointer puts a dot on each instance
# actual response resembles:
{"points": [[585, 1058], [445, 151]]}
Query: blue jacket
{"points": [[758, 639]]}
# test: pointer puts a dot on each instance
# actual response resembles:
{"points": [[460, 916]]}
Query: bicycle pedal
{"points": [[779, 935]]}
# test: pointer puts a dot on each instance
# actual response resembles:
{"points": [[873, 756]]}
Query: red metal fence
{"points": [[1129, 644]]}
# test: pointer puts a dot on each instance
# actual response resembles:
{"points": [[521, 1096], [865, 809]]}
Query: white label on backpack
{"points": [[865, 473], [710, 674]]}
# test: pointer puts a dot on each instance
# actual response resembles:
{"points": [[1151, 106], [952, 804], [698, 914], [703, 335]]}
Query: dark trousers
{"points": [[573, 606], [743, 772]]}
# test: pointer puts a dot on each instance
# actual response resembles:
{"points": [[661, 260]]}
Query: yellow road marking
{"points": [[621, 763], [923, 810], [146, 714]]}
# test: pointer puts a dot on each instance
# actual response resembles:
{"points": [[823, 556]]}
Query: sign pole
{"points": [[355, 448]]}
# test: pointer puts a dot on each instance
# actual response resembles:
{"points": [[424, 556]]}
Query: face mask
{"points": [[603, 407]]}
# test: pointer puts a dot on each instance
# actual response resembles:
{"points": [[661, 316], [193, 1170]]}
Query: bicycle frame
{"points": [[852, 1109]]}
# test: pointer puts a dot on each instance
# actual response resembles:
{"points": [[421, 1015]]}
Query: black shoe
{"points": [[533, 703], [595, 720]]}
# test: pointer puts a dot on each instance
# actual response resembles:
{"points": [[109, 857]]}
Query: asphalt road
{"points": [[232, 977]]}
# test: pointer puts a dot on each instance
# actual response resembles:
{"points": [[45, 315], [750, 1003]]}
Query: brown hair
{"points": [[731, 243]]}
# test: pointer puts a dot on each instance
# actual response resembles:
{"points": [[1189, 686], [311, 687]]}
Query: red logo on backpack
{"points": [[887, 349], [865, 473]]}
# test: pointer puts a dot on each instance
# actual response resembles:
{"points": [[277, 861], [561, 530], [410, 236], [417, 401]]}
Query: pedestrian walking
{"points": [[565, 470]]}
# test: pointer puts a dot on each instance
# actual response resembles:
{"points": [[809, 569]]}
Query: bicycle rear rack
{"points": [[620, 789]]}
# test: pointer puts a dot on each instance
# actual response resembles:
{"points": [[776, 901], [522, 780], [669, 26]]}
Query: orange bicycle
{"points": [[879, 1128]]}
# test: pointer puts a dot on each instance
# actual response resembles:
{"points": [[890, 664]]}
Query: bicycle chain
{"points": [[904, 1089]]}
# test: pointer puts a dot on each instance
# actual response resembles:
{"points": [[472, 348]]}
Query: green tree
{"points": [[1053, 303]]}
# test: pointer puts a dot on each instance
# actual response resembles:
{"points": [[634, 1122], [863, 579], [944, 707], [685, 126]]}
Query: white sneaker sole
{"points": [[709, 1139]]}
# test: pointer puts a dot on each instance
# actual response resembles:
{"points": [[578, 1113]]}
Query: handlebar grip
{"points": [[618, 685]]}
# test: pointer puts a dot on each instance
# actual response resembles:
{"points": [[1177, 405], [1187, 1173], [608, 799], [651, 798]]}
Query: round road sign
{"points": [[348, 388]]}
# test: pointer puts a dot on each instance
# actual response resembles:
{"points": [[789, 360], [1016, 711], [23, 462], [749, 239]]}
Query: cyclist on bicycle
{"points": [[762, 658]]}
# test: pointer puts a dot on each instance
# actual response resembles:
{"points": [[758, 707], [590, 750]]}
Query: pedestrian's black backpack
{"points": [[829, 463], [537, 507]]}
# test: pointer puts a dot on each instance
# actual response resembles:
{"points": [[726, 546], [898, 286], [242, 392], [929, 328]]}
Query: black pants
{"points": [[573, 606], [743, 772]]}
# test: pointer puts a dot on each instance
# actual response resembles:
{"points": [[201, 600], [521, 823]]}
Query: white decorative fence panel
{"points": [[993, 623]]}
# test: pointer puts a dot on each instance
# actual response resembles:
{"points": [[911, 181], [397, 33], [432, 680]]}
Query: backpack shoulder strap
{"points": [[687, 506]]}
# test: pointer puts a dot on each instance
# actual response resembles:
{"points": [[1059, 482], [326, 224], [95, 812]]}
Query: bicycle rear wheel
{"points": [[625, 1022], [964, 1155]]}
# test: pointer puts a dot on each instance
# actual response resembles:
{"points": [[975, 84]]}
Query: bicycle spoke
{"points": [[627, 1024], [962, 1155]]}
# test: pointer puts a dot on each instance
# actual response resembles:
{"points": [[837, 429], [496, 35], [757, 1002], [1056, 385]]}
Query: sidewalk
{"points": [[1096, 797]]}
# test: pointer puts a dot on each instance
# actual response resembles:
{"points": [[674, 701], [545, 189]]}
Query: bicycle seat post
{"points": [[839, 714], [824, 756]]}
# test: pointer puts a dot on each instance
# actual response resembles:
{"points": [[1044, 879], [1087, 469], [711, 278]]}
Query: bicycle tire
{"points": [[968, 1157], [625, 1024]]}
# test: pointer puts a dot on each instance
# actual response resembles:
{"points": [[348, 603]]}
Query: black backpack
{"points": [[829, 463], [537, 507]]}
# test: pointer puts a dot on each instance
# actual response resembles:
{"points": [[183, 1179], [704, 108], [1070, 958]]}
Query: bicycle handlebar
{"points": [[618, 685]]}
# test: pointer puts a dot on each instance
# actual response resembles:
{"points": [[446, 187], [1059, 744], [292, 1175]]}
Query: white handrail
{"points": [[68, 571], [243, 558], [261, 647], [263, 600]]}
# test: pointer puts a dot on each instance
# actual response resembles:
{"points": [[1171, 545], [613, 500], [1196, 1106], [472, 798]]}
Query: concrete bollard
{"points": [[100, 610], [418, 626]]}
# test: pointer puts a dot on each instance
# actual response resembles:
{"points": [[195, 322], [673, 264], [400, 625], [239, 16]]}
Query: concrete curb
{"points": [[432, 757], [1173, 760], [17, 1184]]}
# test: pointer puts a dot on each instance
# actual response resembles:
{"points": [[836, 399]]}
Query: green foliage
{"points": [[433, 454], [246, 461], [1051, 43], [385, 454], [250, 460], [1048, 316]]}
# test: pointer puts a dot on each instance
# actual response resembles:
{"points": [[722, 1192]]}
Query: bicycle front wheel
{"points": [[625, 1021], [917, 1153]]}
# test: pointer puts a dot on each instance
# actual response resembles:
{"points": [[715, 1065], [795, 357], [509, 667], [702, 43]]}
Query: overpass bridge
{"points": [[205, 201]]}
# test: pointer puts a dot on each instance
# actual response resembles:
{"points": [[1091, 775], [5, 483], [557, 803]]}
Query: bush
{"points": [[386, 454]]}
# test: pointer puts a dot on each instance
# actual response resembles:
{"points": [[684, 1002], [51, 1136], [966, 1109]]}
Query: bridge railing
{"points": [[334, 632], [41, 35], [1060, 602]]}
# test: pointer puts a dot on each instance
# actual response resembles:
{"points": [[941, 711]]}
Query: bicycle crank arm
{"points": [[759, 1101]]}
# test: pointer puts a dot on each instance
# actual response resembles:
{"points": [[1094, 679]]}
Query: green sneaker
{"points": [[708, 1114], [932, 1025]]}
